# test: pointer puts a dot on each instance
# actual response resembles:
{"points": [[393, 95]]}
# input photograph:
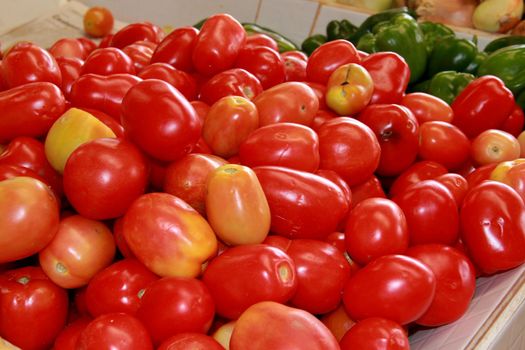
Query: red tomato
{"points": [[33, 308], [174, 305], [177, 48], [322, 203], [293, 102], [368, 189], [397, 131], [494, 146], [29, 110], [515, 122], [108, 61], [218, 44], [350, 148], [338, 180], [456, 184], [320, 92], [375, 333], [194, 341], [328, 57], [28, 63], [105, 42], [68, 47], [235, 278], [263, 62], [282, 144], [70, 69], [368, 293], [285, 328], [98, 22], [321, 117], [294, 53], [493, 227], [168, 236], [236, 82], [294, 68], [480, 174], [259, 39], [338, 322], [376, 227], [417, 172], [141, 31], [109, 121], [427, 108], [115, 331], [455, 282], [515, 178], [68, 337], [120, 241], [181, 80], [159, 120], [28, 209], [103, 177], [139, 54], [88, 44]]}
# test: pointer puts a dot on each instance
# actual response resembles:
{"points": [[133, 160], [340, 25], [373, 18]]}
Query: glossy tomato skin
{"points": [[350, 148], [29, 63], [108, 61], [397, 131], [139, 54], [181, 80], [159, 120], [286, 328], [68, 337], [176, 48], [194, 341], [30, 301], [375, 227], [235, 81], [480, 174], [456, 184], [375, 333], [282, 144], [294, 68], [140, 31], [427, 107], [338, 180], [370, 188], [70, 69], [515, 122], [118, 288], [68, 47], [493, 227], [103, 177], [337, 321], [417, 172], [328, 57], [218, 44], [293, 102], [235, 278], [259, 39], [168, 236], [455, 282], [368, 293], [175, 305], [494, 146], [108, 120], [29, 110], [322, 203], [29, 209], [116, 331], [263, 62]]}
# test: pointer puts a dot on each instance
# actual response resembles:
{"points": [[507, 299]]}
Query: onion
{"points": [[453, 12]]}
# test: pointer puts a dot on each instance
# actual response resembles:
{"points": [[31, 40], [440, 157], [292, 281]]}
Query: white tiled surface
{"points": [[14, 12]]}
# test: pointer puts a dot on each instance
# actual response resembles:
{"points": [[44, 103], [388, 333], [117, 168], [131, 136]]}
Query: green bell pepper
{"points": [[434, 32], [451, 53], [313, 42], [508, 64], [339, 29], [520, 100], [448, 84], [401, 34], [283, 43], [473, 67], [505, 41]]}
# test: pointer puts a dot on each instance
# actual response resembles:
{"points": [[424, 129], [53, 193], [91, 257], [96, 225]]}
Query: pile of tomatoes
{"points": [[202, 190]]}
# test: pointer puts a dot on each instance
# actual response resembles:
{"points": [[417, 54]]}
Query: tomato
{"points": [[29, 63], [494, 146], [219, 41], [236, 206], [110, 122], [368, 293], [30, 301], [515, 122], [108, 61], [417, 172], [236, 82], [68, 47], [376, 227], [350, 148], [181, 80], [29, 110], [397, 131], [194, 341], [28, 209], [294, 68], [293, 102], [294, 53], [80, 248], [176, 48], [282, 144], [320, 92], [139, 54], [443, 143], [115, 331], [70, 68], [174, 305], [337, 321], [427, 108], [103, 177], [493, 227], [223, 332], [140, 31], [98, 22], [338, 180], [322, 203], [375, 333], [349, 89], [235, 277], [228, 123], [456, 184], [285, 328], [328, 57], [105, 41], [68, 337], [159, 120], [455, 282], [168, 236], [368, 189], [259, 39], [263, 62], [88, 44]]}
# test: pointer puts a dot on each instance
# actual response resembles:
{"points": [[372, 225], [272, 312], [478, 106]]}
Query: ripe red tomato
{"points": [[177, 48], [417, 172], [456, 184], [515, 122], [368, 189], [236, 82], [139, 54], [70, 68], [328, 57], [294, 68], [174, 305], [194, 341], [263, 62], [68, 337], [181, 80], [68, 47], [259, 39], [375, 333], [98, 22], [108, 61], [427, 108], [140, 31], [368, 293]]}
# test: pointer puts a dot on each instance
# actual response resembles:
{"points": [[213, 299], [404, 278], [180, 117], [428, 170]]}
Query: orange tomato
{"points": [[98, 22]]}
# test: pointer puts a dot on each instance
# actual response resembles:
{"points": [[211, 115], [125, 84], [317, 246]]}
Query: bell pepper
{"points": [[505, 41], [448, 84], [473, 66], [339, 29], [401, 34], [313, 42], [508, 64], [434, 32], [283, 43], [451, 53]]}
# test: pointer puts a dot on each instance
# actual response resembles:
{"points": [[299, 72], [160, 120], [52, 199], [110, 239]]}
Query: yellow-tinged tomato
{"points": [[98, 22], [349, 89], [338, 322], [236, 206], [501, 170], [74, 128], [223, 334], [81, 248], [521, 140], [494, 146]]}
